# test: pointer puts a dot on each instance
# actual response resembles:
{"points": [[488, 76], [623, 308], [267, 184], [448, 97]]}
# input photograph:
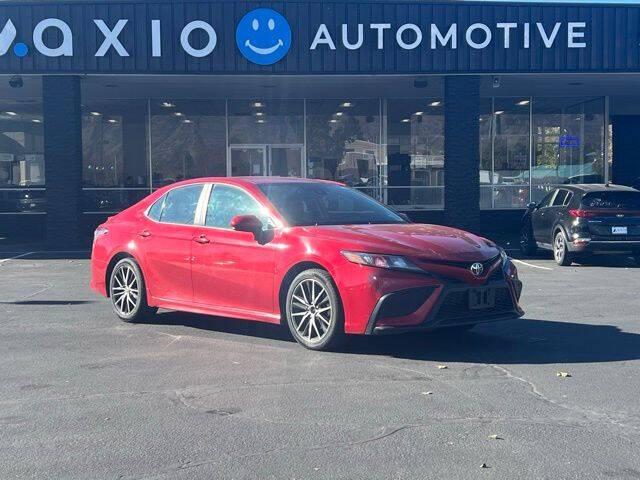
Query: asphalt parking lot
{"points": [[84, 395]]}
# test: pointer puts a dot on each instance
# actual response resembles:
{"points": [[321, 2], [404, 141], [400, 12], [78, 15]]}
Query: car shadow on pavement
{"points": [[49, 302], [523, 341], [222, 324]]}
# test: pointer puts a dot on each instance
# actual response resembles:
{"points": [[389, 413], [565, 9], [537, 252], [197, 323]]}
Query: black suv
{"points": [[578, 220]]}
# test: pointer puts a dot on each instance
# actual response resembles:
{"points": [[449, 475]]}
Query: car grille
{"points": [[455, 307]]}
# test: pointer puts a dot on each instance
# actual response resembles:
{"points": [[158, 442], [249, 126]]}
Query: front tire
{"points": [[561, 253], [128, 292], [314, 311]]}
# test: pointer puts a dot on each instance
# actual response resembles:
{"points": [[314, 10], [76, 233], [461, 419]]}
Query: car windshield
{"points": [[326, 204], [621, 200]]}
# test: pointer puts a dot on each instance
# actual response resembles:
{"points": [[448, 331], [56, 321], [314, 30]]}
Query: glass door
{"points": [[247, 160], [285, 160]]}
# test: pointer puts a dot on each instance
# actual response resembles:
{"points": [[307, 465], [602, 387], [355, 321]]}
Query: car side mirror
{"points": [[532, 206], [247, 223]]}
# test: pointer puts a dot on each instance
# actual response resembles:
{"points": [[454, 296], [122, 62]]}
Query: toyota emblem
{"points": [[477, 269]]}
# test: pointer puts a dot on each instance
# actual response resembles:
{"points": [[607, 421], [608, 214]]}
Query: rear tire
{"points": [[314, 311], [561, 253], [527, 241], [128, 292]]}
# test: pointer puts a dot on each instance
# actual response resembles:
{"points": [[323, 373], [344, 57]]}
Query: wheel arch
{"points": [[558, 227], [112, 263], [292, 273]]}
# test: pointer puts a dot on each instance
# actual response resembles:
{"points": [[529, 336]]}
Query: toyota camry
{"points": [[320, 257]]}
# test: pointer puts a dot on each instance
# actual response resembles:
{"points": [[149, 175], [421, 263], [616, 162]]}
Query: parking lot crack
{"points": [[589, 414]]}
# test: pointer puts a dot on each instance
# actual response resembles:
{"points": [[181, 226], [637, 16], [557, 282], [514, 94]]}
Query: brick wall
{"points": [[462, 152], [63, 160]]}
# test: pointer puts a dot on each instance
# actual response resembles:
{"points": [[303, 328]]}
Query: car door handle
{"points": [[144, 233], [202, 239]]}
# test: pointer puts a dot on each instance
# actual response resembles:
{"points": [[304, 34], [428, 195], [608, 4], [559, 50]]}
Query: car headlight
{"points": [[508, 266], [394, 262], [503, 256]]}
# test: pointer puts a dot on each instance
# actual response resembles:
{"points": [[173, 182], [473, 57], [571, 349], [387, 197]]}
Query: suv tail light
{"points": [[582, 213]]}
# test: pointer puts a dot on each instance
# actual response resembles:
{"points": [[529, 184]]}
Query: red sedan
{"points": [[322, 257]]}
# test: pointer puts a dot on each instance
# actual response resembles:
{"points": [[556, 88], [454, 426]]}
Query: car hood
{"points": [[433, 242]]}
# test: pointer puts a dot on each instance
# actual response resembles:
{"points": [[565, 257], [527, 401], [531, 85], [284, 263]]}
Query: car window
{"points": [[326, 204], [546, 201], [567, 200], [180, 205], [156, 209], [559, 199], [608, 200], [225, 202]]}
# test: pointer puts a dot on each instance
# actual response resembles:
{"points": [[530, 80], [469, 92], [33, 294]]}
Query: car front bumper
{"points": [[443, 306]]}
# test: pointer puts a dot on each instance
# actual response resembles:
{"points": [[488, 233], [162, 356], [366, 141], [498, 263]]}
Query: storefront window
{"points": [[568, 139], [22, 177], [415, 153], [266, 137], [564, 144], [114, 154], [343, 142], [510, 176], [188, 140], [486, 152]]}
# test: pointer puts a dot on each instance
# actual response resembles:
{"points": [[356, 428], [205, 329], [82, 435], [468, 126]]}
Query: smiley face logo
{"points": [[263, 36]]}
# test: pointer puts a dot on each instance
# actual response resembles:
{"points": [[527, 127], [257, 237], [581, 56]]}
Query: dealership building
{"points": [[454, 112]]}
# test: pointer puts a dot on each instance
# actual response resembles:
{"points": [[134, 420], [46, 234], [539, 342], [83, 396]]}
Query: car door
{"points": [[230, 268], [541, 218], [558, 209], [166, 242]]}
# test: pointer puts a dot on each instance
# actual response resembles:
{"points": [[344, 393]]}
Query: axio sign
{"points": [[263, 36]]}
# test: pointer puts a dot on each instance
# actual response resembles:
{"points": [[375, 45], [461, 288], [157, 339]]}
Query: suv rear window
{"points": [[560, 198], [619, 200]]}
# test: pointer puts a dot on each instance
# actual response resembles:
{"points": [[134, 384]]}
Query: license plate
{"points": [[482, 298], [619, 230]]}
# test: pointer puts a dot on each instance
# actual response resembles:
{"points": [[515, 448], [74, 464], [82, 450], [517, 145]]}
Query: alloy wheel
{"points": [[559, 248], [125, 290], [311, 310]]}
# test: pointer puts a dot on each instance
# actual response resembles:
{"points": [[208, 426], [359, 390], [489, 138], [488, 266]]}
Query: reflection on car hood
{"points": [[426, 241]]}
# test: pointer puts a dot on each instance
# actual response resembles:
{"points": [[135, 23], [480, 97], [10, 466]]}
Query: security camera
{"points": [[16, 82], [496, 82]]}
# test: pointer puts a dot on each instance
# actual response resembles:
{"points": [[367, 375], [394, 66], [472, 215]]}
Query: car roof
{"points": [[258, 180], [598, 187]]}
